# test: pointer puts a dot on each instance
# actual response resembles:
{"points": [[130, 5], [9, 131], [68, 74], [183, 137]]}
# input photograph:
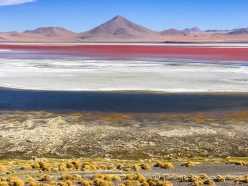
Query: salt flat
{"points": [[106, 75]]}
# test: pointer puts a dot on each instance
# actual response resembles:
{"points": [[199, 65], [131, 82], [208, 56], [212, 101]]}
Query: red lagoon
{"points": [[137, 51]]}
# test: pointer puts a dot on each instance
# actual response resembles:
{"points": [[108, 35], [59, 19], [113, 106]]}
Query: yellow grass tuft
{"points": [[168, 165], [53, 183], [35, 165], [45, 166], [132, 183], [69, 183], [188, 164], [2, 168], [11, 171], [26, 167], [86, 182], [209, 182], [46, 177], [136, 167], [62, 184], [66, 177], [15, 181], [145, 166], [62, 167], [4, 183]]}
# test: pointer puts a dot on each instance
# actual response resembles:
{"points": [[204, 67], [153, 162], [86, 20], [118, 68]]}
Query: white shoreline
{"points": [[137, 76], [222, 45]]}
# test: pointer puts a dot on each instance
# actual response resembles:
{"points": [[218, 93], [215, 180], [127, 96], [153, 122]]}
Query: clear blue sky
{"points": [[82, 15]]}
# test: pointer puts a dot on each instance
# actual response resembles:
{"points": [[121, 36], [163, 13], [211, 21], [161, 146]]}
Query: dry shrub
{"points": [[62, 167], [131, 177], [45, 166], [198, 182], [76, 164], [103, 167], [86, 182], [188, 164], [141, 178], [168, 165], [145, 184], [69, 183], [220, 178], [55, 168], [46, 177], [159, 164], [124, 184], [103, 183], [69, 165], [35, 165], [127, 168], [209, 182], [108, 177], [98, 176], [87, 166], [136, 167], [53, 183], [132, 183], [66, 177], [2, 168], [145, 166], [4, 183], [73, 164], [120, 166], [111, 167], [62, 184], [167, 183], [237, 162], [33, 183], [76, 177], [26, 167], [15, 181], [204, 176], [11, 171], [116, 178], [3, 179]]}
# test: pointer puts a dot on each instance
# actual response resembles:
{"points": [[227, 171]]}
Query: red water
{"points": [[138, 51]]}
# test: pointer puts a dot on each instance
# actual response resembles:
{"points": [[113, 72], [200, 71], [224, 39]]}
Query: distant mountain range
{"points": [[120, 29]]}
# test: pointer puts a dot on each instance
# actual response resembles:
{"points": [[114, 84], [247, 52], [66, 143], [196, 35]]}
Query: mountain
{"points": [[190, 30], [50, 32], [239, 31], [172, 32], [217, 30], [118, 28]]}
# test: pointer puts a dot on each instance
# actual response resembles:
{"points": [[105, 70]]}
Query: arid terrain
{"points": [[130, 149], [119, 29]]}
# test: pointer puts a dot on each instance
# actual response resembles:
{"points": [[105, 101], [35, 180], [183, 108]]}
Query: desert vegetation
{"points": [[112, 173]]}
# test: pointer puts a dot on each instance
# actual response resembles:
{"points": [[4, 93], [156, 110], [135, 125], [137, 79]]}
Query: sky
{"points": [[83, 15]]}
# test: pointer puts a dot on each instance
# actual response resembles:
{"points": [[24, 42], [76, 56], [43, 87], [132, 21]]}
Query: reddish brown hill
{"points": [[120, 28], [191, 30], [50, 32], [172, 32], [239, 31]]}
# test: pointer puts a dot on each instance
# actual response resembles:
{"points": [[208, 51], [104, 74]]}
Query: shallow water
{"points": [[119, 102]]}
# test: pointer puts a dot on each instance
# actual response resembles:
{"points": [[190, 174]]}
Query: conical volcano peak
{"points": [[120, 27], [118, 17]]}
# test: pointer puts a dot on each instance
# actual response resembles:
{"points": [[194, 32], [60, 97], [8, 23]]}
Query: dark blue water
{"points": [[119, 102]]}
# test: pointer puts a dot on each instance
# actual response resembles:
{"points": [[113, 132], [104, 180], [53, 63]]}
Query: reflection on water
{"points": [[119, 102]]}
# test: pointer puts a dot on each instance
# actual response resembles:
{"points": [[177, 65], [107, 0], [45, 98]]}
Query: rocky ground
{"points": [[40, 134]]}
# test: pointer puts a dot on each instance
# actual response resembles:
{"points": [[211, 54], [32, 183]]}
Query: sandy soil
{"points": [[105, 75]]}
